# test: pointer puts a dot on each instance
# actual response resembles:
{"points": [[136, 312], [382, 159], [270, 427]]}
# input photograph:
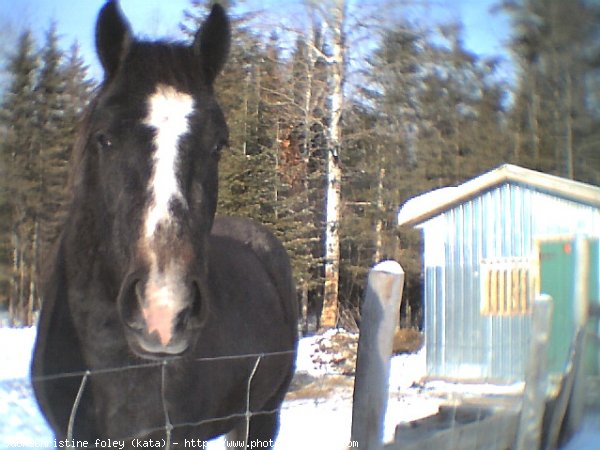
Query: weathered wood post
{"points": [[379, 318], [568, 397], [536, 376]]}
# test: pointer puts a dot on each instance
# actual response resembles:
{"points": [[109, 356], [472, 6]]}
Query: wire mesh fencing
{"points": [[19, 406]]}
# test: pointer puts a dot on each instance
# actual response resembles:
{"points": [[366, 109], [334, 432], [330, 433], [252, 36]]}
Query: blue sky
{"points": [[76, 18], [485, 33]]}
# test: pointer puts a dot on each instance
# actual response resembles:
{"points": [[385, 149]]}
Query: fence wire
{"points": [[168, 427], [144, 365]]}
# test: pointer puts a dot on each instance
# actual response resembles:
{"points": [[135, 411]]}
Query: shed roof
{"points": [[423, 207]]}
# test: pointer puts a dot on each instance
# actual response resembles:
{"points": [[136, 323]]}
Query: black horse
{"points": [[159, 321]]}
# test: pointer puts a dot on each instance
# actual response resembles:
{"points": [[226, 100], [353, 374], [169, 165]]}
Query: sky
{"points": [[485, 33]]}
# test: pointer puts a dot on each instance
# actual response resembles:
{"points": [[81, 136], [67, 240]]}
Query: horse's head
{"points": [[154, 136]]}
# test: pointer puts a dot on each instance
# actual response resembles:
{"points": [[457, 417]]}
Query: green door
{"points": [[569, 272], [557, 262], [592, 354]]}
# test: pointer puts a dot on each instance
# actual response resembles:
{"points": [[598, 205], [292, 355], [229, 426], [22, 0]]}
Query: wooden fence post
{"points": [[379, 318], [568, 396], [536, 376]]}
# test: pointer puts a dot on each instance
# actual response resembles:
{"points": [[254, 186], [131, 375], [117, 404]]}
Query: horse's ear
{"points": [[113, 36], [212, 42]]}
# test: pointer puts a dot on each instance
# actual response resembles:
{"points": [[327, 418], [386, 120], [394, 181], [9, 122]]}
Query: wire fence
{"points": [[404, 400], [491, 429], [167, 427], [405, 403], [319, 399]]}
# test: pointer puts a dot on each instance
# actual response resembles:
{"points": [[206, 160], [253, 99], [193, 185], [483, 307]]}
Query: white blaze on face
{"points": [[168, 116], [168, 112], [163, 294]]}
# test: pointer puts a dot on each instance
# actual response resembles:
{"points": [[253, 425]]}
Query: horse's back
{"points": [[253, 315], [269, 251]]}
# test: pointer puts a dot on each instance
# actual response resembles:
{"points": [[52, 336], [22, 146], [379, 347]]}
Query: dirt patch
{"points": [[407, 340], [335, 352], [329, 362], [305, 386]]}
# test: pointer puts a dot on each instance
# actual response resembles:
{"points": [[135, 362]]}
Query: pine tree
{"points": [[270, 171], [19, 179], [45, 141], [77, 93], [381, 158], [430, 115], [71, 96], [39, 117], [554, 43]]}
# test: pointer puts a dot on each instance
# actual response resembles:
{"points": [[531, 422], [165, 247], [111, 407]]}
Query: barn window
{"points": [[508, 286]]}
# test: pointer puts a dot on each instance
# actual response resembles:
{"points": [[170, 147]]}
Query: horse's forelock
{"points": [[149, 64], [164, 63]]}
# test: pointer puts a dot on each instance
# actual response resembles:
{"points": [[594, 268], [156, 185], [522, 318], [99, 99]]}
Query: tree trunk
{"points": [[568, 111], [304, 307], [517, 145], [246, 100], [14, 279], [329, 314], [33, 277], [19, 319], [534, 123], [380, 211]]}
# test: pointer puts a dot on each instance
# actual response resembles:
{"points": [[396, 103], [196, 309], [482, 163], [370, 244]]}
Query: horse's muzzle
{"points": [[159, 314]]}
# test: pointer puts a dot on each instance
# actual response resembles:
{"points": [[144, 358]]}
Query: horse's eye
{"points": [[103, 141]]}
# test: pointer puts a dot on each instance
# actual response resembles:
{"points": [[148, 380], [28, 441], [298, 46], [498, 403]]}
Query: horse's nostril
{"points": [[139, 293], [130, 303], [199, 307], [183, 319], [189, 316], [136, 324]]}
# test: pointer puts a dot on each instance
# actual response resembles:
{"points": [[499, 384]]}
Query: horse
{"points": [[161, 323]]}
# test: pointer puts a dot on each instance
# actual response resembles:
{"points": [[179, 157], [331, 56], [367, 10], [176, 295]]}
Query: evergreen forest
{"points": [[338, 114]]}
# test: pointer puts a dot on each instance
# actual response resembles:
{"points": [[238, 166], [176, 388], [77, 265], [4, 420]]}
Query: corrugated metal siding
{"points": [[503, 222]]}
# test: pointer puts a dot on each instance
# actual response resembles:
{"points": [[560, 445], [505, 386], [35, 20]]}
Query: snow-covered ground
{"points": [[321, 420], [316, 415], [20, 419]]}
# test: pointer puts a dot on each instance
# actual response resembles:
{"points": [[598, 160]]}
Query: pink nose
{"points": [[159, 319], [166, 306]]}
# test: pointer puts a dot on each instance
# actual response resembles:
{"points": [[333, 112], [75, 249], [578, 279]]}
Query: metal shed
{"points": [[481, 265]]}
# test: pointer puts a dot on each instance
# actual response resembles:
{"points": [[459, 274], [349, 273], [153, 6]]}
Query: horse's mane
{"points": [[78, 149]]}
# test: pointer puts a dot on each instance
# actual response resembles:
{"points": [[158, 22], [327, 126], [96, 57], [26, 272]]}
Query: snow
{"points": [[317, 413], [321, 421], [424, 203], [389, 266], [15, 352], [20, 420]]}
